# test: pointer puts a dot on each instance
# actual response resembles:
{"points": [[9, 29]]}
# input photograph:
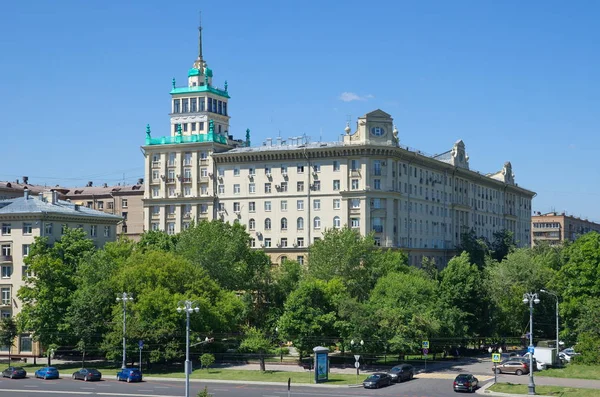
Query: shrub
{"points": [[207, 360]]}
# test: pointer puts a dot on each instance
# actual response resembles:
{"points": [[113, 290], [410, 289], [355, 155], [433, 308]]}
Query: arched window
{"points": [[337, 223], [268, 224], [283, 223], [251, 224], [300, 223], [317, 222], [283, 259]]}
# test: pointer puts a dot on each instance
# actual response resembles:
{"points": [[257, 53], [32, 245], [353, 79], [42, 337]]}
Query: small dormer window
{"points": [[377, 131], [194, 84]]}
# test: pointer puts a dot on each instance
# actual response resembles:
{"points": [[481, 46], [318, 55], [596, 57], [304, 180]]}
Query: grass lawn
{"points": [[545, 390], [573, 371], [221, 374]]}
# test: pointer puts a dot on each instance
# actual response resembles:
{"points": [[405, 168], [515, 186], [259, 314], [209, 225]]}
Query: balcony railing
{"points": [[6, 258], [168, 140], [187, 179]]}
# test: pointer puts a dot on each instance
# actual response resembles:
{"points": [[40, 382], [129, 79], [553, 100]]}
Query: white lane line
{"points": [[132, 395], [32, 386], [220, 389], [161, 387], [142, 390], [45, 391]]}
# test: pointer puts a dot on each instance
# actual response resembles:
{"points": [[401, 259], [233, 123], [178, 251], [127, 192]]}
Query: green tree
{"points": [[588, 332], [47, 296], [478, 248], [309, 316], [502, 245], [152, 240], [255, 341], [8, 333], [206, 360]]}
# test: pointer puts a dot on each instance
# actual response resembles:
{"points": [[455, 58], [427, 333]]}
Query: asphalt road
{"points": [[31, 387]]}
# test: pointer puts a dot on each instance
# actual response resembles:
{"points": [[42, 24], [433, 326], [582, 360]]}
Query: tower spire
{"points": [[200, 38]]}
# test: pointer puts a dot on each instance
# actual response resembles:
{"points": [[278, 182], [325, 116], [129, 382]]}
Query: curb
{"points": [[247, 382], [484, 391]]}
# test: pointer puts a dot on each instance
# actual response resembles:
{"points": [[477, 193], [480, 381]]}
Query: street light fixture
{"points": [[188, 307], [557, 346], [125, 297], [531, 298]]}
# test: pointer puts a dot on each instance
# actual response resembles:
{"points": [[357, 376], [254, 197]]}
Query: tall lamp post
{"points": [[124, 297], [188, 307], [557, 346], [531, 298]]}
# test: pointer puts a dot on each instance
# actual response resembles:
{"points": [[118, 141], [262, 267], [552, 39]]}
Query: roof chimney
{"points": [[26, 180], [26, 193], [105, 185], [89, 184], [140, 181]]}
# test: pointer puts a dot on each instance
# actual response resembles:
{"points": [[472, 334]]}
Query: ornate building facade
{"points": [[288, 193]]}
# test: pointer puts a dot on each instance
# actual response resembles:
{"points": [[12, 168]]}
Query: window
{"points": [[377, 167], [171, 228], [154, 226], [354, 222], [252, 206], [6, 271], [176, 106], [284, 170], [236, 171], [25, 344], [376, 203], [300, 186], [317, 186], [236, 206], [221, 188], [6, 250], [253, 242], [267, 170], [63, 228], [252, 188], [300, 259], [300, 169], [317, 204], [267, 188], [27, 229], [106, 231], [267, 243], [5, 293], [283, 244], [337, 223], [300, 241], [268, 224], [354, 184], [48, 229], [284, 187], [111, 204], [185, 106], [94, 229], [355, 203], [354, 166], [172, 157], [251, 224], [317, 168], [204, 172], [267, 206], [100, 205], [317, 222], [155, 175], [336, 184], [124, 215], [6, 229], [194, 104], [236, 188], [26, 248], [90, 204], [155, 193], [185, 127], [337, 204], [300, 205], [284, 205], [284, 224], [203, 208], [300, 223], [377, 184], [193, 127], [172, 191], [336, 165]]}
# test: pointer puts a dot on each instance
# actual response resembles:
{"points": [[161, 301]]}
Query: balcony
{"points": [[169, 140], [170, 216], [156, 164], [187, 216], [170, 180], [204, 179], [6, 258], [187, 179], [355, 172]]}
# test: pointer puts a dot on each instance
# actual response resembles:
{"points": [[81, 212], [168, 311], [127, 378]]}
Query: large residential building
{"points": [[24, 218], [122, 200], [555, 228], [289, 192]]}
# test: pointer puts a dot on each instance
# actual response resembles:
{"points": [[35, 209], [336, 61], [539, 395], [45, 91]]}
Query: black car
{"points": [[402, 372], [466, 382], [377, 380], [87, 374], [14, 373]]}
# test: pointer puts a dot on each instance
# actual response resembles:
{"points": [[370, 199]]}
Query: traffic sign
{"points": [[357, 357], [357, 365], [425, 351], [496, 357], [425, 344], [141, 344], [531, 349]]}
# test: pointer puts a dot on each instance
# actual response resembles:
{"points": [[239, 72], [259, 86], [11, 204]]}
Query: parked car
{"points": [[466, 382], [130, 375], [537, 365], [87, 374], [14, 372], [568, 354], [47, 373], [512, 367], [377, 380], [402, 372]]}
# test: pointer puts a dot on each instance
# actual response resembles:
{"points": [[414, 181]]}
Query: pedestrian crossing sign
{"points": [[496, 357], [425, 344]]}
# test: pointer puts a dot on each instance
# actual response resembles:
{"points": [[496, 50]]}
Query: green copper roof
{"points": [[208, 72], [198, 138], [200, 88], [193, 72]]}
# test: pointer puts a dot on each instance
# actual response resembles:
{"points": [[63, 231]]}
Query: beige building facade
{"points": [[288, 193], [29, 216], [555, 228]]}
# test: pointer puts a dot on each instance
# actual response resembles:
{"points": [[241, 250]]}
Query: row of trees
{"points": [[349, 290]]}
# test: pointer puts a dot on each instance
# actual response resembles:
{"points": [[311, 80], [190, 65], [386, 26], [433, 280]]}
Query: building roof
{"points": [[28, 205], [75, 192], [16, 186]]}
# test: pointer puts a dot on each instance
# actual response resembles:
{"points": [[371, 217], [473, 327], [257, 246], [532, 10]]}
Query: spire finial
{"points": [[173, 82], [200, 38], [247, 137]]}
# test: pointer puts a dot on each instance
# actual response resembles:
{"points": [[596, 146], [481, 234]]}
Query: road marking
{"points": [[145, 390], [45, 391], [32, 386], [132, 395], [221, 389]]}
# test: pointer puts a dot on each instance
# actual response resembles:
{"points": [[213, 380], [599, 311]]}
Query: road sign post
{"points": [[425, 345], [496, 359], [357, 366], [141, 345], [289, 386]]}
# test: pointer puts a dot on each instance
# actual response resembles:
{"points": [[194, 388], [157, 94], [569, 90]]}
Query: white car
{"points": [[567, 354]]}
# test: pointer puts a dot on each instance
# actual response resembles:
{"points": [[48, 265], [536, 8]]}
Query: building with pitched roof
{"points": [[29, 216]]}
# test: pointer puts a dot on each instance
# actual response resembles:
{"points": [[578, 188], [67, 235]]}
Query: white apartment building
{"points": [[288, 193], [24, 218]]}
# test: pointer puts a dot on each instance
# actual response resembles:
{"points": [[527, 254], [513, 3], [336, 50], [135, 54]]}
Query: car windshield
{"points": [[462, 378], [93, 371], [396, 369], [373, 377]]}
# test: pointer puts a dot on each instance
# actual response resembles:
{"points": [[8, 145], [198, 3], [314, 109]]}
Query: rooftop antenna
{"points": [[321, 135], [200, 36]]}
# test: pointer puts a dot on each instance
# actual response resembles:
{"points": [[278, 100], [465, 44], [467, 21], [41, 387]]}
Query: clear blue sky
{"points": [[517, 80]]}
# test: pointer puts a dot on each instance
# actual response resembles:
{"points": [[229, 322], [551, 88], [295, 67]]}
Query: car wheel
{"points": [[519, 372], [498, 371], [410, 377]]}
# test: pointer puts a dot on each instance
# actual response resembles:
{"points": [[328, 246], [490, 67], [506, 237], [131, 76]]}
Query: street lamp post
{"points": [[124, 297], [280, 343], [531, 298], [556, 297], [188, 307]]}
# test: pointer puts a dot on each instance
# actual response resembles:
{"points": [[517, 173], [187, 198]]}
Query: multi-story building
{"points": [[288, 193], [24, 218], [555, 228], [123, 200]]}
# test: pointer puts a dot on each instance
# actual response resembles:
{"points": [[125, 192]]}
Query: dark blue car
{"points": [[130, 375], [47, 373]]}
